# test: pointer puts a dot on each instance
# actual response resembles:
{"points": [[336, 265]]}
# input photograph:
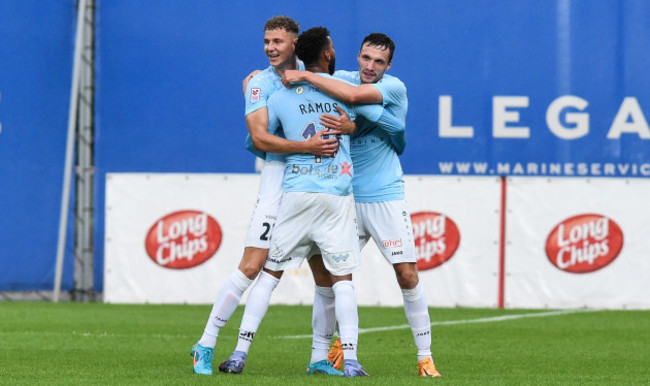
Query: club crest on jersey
{"points": [[255, 94], [299, 90]]}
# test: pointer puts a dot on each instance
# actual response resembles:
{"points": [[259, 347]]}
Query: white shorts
{"points": [[389, 224], [312, 223], [266, 206]]}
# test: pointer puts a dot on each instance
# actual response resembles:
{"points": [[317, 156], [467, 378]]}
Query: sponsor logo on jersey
{"points": [[256, 93], [183, 239], [345, 169], [436, 239], [299, 90], [395, 243], [395, 253], [584, 243], [327, 172]]}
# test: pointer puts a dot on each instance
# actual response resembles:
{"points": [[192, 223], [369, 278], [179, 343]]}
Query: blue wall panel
{"points": [[35, 71]]}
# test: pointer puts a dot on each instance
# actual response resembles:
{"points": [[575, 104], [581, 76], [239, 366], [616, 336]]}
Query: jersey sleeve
{"points": [[396, 129], [250, 147], [257, 93], [370, 112], [273, 128], [392, 90]]}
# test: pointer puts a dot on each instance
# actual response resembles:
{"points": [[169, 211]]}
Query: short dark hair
{"points": [[382, 41], [311, 43], [282, 22]]}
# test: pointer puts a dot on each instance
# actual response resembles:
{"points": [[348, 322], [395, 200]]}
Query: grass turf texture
{"points": [[72, 343]]}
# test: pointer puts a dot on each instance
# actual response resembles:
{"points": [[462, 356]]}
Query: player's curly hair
{"points": [[381, 41], [311, 43], [282, 22]]}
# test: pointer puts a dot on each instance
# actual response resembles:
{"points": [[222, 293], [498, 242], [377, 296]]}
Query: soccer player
{"points": [[317, 211], [280, 36], [382, 212]]}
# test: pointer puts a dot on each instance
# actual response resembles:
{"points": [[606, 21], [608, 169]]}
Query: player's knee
{"points": [[251, 268], [251, 271], [407, 277]]}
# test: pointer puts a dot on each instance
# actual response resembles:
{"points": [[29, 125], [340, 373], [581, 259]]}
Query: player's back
{"points": [[297, 111]]}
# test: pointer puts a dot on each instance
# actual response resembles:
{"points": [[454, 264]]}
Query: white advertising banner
{"points": [[577, 243], [167, 215], [175, 238], [469, 277]]}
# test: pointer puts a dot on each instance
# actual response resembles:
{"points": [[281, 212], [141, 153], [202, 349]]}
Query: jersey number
{"points": [[310, 130], [265, 235]]}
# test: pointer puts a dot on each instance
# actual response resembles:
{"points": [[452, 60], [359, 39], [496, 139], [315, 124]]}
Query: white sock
{"points": [[417, 313], [256, 306], [227, 301], [347, 317], [323, 323]]}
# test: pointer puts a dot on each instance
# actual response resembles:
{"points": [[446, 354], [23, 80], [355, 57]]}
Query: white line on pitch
{"points": [[462, 321]]}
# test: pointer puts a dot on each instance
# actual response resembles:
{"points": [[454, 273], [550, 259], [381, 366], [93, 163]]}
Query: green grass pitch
{"points": [[94, 343]]}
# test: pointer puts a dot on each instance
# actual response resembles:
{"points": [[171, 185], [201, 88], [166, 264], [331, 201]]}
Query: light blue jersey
{"points": [[297, 111], [258, 91], [375, 149]]}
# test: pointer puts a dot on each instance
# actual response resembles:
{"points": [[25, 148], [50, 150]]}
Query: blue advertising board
{"points": [[35, 73], [495, 87]]}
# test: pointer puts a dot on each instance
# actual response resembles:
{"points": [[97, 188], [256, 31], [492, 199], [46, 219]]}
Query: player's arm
{"points": [[396, 129], [364, 93], [341, 123], [388, 121], [247, 79], [258, 123]]}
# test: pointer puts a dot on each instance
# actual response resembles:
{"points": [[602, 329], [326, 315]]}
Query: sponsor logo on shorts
{"points": [[255, 94], [436, 239], [395, 253], [279, 261], [277, 256], [183, 239], [338, 257], [584, 243], [328, 172], [395, 243]]}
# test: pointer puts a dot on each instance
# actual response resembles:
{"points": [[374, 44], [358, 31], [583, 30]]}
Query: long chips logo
{"points": [[183, 239], [436, 239], [584, 243]]}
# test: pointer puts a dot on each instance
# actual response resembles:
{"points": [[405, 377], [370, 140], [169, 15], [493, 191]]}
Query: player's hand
{"points": [[341, 123], [247, 79], [292, 76], [323, 143]]}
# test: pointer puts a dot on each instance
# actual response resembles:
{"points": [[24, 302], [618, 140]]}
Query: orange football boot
{"points": [[427, 368], [335, 355]]}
